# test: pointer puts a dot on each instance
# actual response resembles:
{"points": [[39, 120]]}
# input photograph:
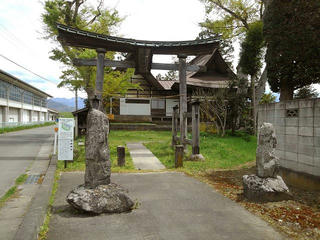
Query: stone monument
{"points": [[98, 194], [266, 185]]}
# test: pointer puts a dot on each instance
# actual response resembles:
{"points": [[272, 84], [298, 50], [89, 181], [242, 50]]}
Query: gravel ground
{"points": [[298, 218]]}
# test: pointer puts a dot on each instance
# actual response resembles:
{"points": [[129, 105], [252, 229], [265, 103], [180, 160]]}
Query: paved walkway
{"points": [[142, 158], [171, 206]]}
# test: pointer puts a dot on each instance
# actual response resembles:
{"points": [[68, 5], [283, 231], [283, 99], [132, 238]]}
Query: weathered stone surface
{"points": [[97, 151], [265, 189], [267, 162], [109, 198]]}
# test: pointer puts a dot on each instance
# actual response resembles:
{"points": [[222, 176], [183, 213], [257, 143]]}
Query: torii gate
{"points": [[142, 53]]}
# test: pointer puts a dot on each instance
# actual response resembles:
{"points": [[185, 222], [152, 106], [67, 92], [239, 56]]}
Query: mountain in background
{"points": [[65, 104]]}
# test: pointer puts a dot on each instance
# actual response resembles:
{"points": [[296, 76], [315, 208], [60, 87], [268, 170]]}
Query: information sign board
{"points": [[65, 139]]}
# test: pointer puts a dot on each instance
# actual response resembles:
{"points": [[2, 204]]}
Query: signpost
{"points": [[65, 140]]}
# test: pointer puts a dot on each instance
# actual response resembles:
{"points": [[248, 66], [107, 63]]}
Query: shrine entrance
{"points": [[140, 54]]}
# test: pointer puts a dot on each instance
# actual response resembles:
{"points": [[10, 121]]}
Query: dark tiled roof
{"points": [[134, 42]]}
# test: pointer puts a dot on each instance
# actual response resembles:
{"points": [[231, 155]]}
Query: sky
{"points": [[21, 38]]}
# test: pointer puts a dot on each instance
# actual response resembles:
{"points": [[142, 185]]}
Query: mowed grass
{"points": [[219, 152]]}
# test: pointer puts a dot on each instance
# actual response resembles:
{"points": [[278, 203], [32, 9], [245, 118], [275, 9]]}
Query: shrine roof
{"points": [[80, 38]]}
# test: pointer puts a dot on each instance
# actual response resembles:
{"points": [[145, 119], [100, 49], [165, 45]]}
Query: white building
{"points": [[21, 103]]}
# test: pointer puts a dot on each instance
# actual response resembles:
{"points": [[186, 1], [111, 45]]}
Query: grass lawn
{"points": [[219, 152], [23, 127]]}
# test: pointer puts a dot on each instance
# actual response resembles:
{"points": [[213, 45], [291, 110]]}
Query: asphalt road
{"points": [[18, 150]]}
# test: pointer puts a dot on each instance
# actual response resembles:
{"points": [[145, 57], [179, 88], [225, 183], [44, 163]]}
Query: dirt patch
{"points": [[297, 219]]}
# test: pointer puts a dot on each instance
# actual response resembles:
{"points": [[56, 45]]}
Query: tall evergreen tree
{"points": [[292, 33]]}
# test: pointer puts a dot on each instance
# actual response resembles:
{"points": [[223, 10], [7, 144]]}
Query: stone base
{"points": [[109, 198], [265, 189], [196, 157]]}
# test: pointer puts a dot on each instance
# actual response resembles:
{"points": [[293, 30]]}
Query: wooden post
{"points": [[178, 160], [174, 125], [196, 127], [183, 98], [100, 74], [121, 151]]}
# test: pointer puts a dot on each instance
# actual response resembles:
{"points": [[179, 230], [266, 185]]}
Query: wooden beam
{"points": [[131, 64]]}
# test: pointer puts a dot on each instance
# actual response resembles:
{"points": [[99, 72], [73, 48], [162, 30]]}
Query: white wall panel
{"points": [[170, 103], [26, 116], [134, 108], [1, 113], [13, 114]]}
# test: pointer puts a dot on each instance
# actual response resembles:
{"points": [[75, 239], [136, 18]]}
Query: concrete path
{"points": [[18, 150], [171, 206], [142, 158]]}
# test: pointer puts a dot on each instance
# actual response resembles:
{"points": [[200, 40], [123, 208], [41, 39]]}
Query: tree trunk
{"points": [[286, 92], [76, 93], [261, 86], [254, 104]]}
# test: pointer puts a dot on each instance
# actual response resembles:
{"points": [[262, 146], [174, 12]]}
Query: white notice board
{"points": [[65, 139]]}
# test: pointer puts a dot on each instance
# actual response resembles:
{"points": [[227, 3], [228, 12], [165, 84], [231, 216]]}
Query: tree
{"points": [[80, 14], [292, 33], [306, 92], [240, 20], [267, 98]]}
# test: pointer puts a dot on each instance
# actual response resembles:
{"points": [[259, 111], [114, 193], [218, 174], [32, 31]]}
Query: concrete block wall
{"points": [[297, 125]]}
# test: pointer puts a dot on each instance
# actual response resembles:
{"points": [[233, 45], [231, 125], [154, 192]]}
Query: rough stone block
{"points": [[306, 122], [307, 103], [291, 156], [316, 122], [265, 189], [280, 113], [280, 130], [280, 105], [292, 104], [306, 112], [306, 131], [308, 150], [306, 140], [292, 130], [279, 122], [291, 122], [301, 167], [291, 139], [292, 147], [305, 159]]}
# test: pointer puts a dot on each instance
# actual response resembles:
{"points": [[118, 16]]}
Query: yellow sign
{"points": [[110, 116]]}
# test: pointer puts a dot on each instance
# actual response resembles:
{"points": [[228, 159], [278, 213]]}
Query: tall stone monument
{"points": [[98, 194], [266, 185]]}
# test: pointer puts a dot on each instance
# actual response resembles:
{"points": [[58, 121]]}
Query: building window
{"points": [[141, 101], [27, 97], [44, 102], [37, 101], [158, 104], [3, 89], [15, 93]]}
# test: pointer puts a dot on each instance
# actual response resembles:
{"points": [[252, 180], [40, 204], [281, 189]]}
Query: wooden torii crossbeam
{"points": [[142, 53]]}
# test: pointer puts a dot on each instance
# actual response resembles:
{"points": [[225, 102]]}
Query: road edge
{"points": [[36, 213]]}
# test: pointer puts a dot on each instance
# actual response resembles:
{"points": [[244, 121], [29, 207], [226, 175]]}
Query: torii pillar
{"points": [[100, 75], [183, 99]]}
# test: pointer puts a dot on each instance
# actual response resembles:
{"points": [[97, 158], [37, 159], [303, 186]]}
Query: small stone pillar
{"points": [[179, 152], [121, 152]]}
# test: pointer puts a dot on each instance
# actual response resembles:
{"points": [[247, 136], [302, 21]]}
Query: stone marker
{"points": [[98, 195], [266, 185], [121, 152], [179, 152]]}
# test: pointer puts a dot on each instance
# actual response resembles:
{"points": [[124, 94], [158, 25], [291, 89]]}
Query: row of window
{"points": [[18, 94]]}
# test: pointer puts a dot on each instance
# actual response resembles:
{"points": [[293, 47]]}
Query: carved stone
{"points": [[267, 162], [97, 151], [109, 198], [259, 189]]}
